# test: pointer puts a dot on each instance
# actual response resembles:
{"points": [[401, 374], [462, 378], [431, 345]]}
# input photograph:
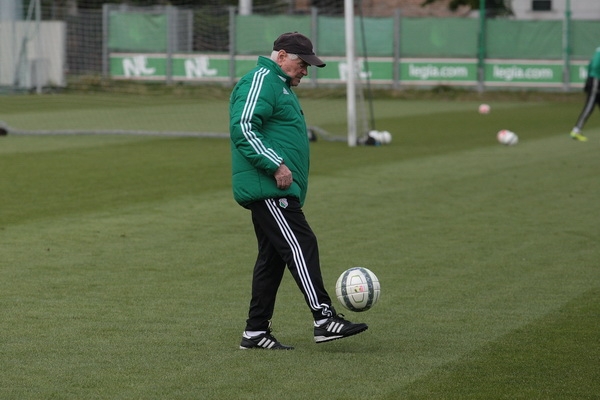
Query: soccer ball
{"points": [[357, 289], [386, 137], [507, 137], [381, 137], [484, 109]]}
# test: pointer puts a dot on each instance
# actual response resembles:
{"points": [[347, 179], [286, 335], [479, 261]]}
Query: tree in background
{"points": [[493, 8], [97, 4]]}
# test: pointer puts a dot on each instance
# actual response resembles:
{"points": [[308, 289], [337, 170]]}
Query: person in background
{"points": [[592, 96], [270, 165]]}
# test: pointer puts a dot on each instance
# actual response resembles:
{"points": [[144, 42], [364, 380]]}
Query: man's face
{"points": [[295, 69]]}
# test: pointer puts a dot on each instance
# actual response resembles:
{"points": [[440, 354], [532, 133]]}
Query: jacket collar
{"points": [[272, 65]]}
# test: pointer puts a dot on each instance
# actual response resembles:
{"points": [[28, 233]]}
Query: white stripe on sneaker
{"points": [[266, 343], [335, 327]]}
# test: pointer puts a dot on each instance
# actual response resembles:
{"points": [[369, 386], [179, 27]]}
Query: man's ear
{"points": [[281, 55]]}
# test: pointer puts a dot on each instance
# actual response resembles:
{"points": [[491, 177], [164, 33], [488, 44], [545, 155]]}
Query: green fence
{"points": [[426, 37], [399, 51], [132, 31]]}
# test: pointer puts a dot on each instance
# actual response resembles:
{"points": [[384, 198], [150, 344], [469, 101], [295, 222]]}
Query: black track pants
{"points": [[284, 238], [592, 91]]}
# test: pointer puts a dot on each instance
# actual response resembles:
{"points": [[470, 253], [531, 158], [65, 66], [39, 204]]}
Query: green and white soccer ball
{"points": [[358, 289]]}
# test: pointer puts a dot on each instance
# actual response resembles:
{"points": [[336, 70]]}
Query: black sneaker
{"points": [[336, 328], [264, 341]]}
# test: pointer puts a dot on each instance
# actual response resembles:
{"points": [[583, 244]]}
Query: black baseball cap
{"points": [[297, 43]]}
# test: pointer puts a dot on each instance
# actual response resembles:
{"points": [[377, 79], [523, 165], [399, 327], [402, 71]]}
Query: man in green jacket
{"points": [[592, 90], [270, 163]]}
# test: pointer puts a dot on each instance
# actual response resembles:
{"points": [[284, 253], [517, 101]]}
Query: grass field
{"points": [[125, 264]]}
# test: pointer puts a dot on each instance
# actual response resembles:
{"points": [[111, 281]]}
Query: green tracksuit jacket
{"points": [[594, 65], [267, 127]]}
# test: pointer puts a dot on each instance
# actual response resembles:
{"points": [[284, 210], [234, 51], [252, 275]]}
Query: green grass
{"points": [[125, 264], [563, 345]]}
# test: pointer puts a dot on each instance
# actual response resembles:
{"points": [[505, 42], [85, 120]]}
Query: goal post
{"points": [[351, 77]]}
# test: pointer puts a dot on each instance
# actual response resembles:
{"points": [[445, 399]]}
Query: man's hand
{"points": [[283, 176]]}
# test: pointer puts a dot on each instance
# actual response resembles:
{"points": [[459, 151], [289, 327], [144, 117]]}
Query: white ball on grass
{"points": [[507, 138]]}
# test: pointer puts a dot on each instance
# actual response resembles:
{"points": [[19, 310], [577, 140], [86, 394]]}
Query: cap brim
{"points": [[312, 60]]}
